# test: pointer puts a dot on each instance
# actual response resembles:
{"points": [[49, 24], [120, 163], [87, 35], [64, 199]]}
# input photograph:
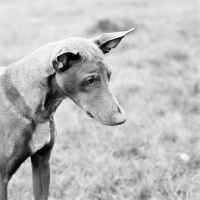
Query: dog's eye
{"points": [[89, 81]]}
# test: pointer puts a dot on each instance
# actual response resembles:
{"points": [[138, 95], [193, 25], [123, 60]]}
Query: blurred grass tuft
{"points": [[108, 26]]}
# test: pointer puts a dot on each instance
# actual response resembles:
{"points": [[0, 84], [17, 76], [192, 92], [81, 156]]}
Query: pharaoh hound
{"points": [[32, 89]]}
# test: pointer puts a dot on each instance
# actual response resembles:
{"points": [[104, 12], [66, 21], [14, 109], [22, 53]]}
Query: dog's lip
{"points": [[89, 114]]}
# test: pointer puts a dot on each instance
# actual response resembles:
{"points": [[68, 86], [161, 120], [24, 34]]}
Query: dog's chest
{"points": [[41, 136], [27, 140]]}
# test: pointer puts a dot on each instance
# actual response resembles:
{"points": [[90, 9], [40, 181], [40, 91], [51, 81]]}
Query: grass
{"points": [[156, 153]]}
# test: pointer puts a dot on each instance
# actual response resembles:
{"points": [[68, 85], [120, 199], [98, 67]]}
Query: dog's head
{"points": [[83, 74]]}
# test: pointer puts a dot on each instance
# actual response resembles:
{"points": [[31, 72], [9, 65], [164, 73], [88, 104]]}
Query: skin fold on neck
{"points": [[31, 86]]}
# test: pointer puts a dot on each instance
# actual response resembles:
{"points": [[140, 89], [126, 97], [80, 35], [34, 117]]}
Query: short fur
{"points": [[32, 89]]}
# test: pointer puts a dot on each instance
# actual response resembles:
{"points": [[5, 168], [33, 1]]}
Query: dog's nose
{"points": [[119, 118]]}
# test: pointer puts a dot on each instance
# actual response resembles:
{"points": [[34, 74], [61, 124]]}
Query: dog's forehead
{"points": [[93, 57], [100, 66], [86, 48]]}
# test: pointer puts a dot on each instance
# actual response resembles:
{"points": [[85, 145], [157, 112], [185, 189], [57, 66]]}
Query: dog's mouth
{"points": [[90, 115]]}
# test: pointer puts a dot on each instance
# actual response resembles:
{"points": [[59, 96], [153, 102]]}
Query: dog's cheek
{"points": [[66, 84]]}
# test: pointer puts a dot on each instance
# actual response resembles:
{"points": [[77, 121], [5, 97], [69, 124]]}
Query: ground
{"points": [[156, 78]]}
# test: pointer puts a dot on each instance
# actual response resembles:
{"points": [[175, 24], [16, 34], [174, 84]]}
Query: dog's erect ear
{"points": [[63, 59], [108, 41]]}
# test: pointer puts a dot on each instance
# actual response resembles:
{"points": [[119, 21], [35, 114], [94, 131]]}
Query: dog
{"points": [[32, 89]]}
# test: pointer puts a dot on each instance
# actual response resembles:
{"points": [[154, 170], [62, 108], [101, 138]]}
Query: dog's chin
{"points": [[106, 122], [109, 123]]}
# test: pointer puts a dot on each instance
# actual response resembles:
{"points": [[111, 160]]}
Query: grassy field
{"points": [[155, 155]]}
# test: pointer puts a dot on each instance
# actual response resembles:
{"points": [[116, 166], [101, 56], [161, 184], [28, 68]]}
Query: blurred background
{"points": [[156, 78]]}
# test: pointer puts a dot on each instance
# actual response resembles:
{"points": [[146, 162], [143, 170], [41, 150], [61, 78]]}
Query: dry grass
{"points": [[156, 154]]}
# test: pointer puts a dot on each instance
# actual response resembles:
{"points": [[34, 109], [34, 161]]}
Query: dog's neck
{"points": [[34, 92]]}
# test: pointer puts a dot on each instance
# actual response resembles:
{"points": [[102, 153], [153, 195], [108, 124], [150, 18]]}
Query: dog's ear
{"points": [[64, 58], [108, 41]]}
